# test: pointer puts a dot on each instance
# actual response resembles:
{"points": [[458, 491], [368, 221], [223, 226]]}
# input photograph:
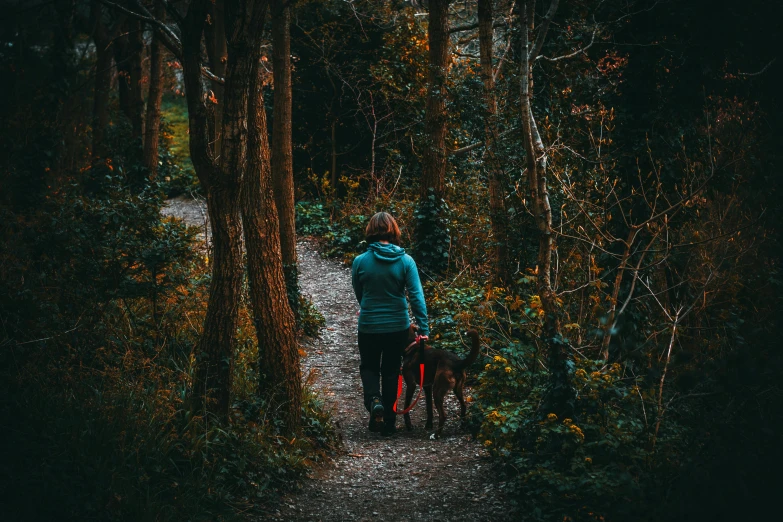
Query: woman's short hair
{"points": [[382, 227]]}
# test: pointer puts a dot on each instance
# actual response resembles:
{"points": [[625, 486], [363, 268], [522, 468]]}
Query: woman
{"points": [[380, 278]]}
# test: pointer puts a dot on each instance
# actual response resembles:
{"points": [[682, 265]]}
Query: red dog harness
{"points": [[399, 383]]}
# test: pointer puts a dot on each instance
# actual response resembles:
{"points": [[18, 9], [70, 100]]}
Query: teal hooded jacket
{"points": [[380, 278]]}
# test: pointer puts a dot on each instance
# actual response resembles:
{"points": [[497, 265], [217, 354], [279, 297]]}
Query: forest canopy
{"points": [[593, 185]]}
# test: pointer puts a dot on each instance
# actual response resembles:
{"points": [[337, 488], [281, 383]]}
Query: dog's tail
{"points": [[474, 351]]}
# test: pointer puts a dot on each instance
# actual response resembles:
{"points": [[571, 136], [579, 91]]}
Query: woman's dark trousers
{"points": [[381, 358]]}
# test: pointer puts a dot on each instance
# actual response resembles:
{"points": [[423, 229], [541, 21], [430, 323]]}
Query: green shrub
{"points": [[310, 318], [576, 467], [343, 238], [312, 219], [103, 301]]}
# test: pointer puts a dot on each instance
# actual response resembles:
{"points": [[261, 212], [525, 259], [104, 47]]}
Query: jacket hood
{"points": [[388, 253]]}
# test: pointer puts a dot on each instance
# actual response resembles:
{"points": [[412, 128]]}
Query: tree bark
{"points": [[432, 232], [561, 392], [434, 161], [334, 179], [215, 352], [100, 108], [201, 152], [618, 279], [282, 155], [128, 51], [497, 207], [136, 52], [217, 54], [154, 98], [278, 356], [103, 38], [122, 62]]}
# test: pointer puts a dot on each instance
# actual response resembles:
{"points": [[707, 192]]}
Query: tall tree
{"points": [[136, 55], [154, 97], [430, 230], [497, 207], [244, 21], [215, 44], [434, 174], [221, 179], [561, 393], [103, 38], [128, 52], [278, 356], [282, 157]]}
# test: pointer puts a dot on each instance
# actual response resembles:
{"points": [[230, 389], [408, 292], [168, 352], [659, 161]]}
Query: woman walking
{"points": [[380, 279]]}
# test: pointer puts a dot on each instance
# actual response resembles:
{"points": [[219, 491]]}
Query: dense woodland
{"points": [[593, 185]]}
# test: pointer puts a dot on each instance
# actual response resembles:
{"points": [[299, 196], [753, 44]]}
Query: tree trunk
{"points": [[215, 352], [154, 98], [434, 162], [335, 180], [217, 54], [497, 207], [618, 279], [129, 47], [201, 151], [122, 62], [103, 40], [135, 55], [282, 156], [100, 108], [278, 356], [332, 116], [561, 393], [432, 231]]}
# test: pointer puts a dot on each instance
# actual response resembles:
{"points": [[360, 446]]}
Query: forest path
{"points": [[405, 477]]}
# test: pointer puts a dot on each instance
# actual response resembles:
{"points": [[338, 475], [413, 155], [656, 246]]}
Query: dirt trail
{"points": [[406, 477]]}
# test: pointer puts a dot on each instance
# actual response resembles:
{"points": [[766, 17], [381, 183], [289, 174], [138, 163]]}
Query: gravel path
{"points": [[405, 477]]}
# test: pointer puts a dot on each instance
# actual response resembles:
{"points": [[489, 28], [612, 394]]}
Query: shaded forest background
{"points": [[593, 185]]}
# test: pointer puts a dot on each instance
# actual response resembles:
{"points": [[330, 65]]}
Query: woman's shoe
{"points": [[376, 415], [389, 427]]}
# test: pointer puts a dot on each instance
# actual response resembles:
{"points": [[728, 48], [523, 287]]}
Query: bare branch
{"points": [[543, 29], [470, 27], [573, 54], [170, 40], [762, 71], [168, 37], [468, 148]]}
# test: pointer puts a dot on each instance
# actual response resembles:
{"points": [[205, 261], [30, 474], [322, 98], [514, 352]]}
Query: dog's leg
{"points": [[428, 397], [459, 393], [410, 386], [440, 393]]}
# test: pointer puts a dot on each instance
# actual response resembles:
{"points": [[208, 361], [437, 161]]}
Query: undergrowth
{"points": [[102, 302], [623, 453]]}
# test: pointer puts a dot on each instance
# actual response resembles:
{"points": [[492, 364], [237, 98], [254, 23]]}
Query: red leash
{"points": [[399, 393], [399, 385]]}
